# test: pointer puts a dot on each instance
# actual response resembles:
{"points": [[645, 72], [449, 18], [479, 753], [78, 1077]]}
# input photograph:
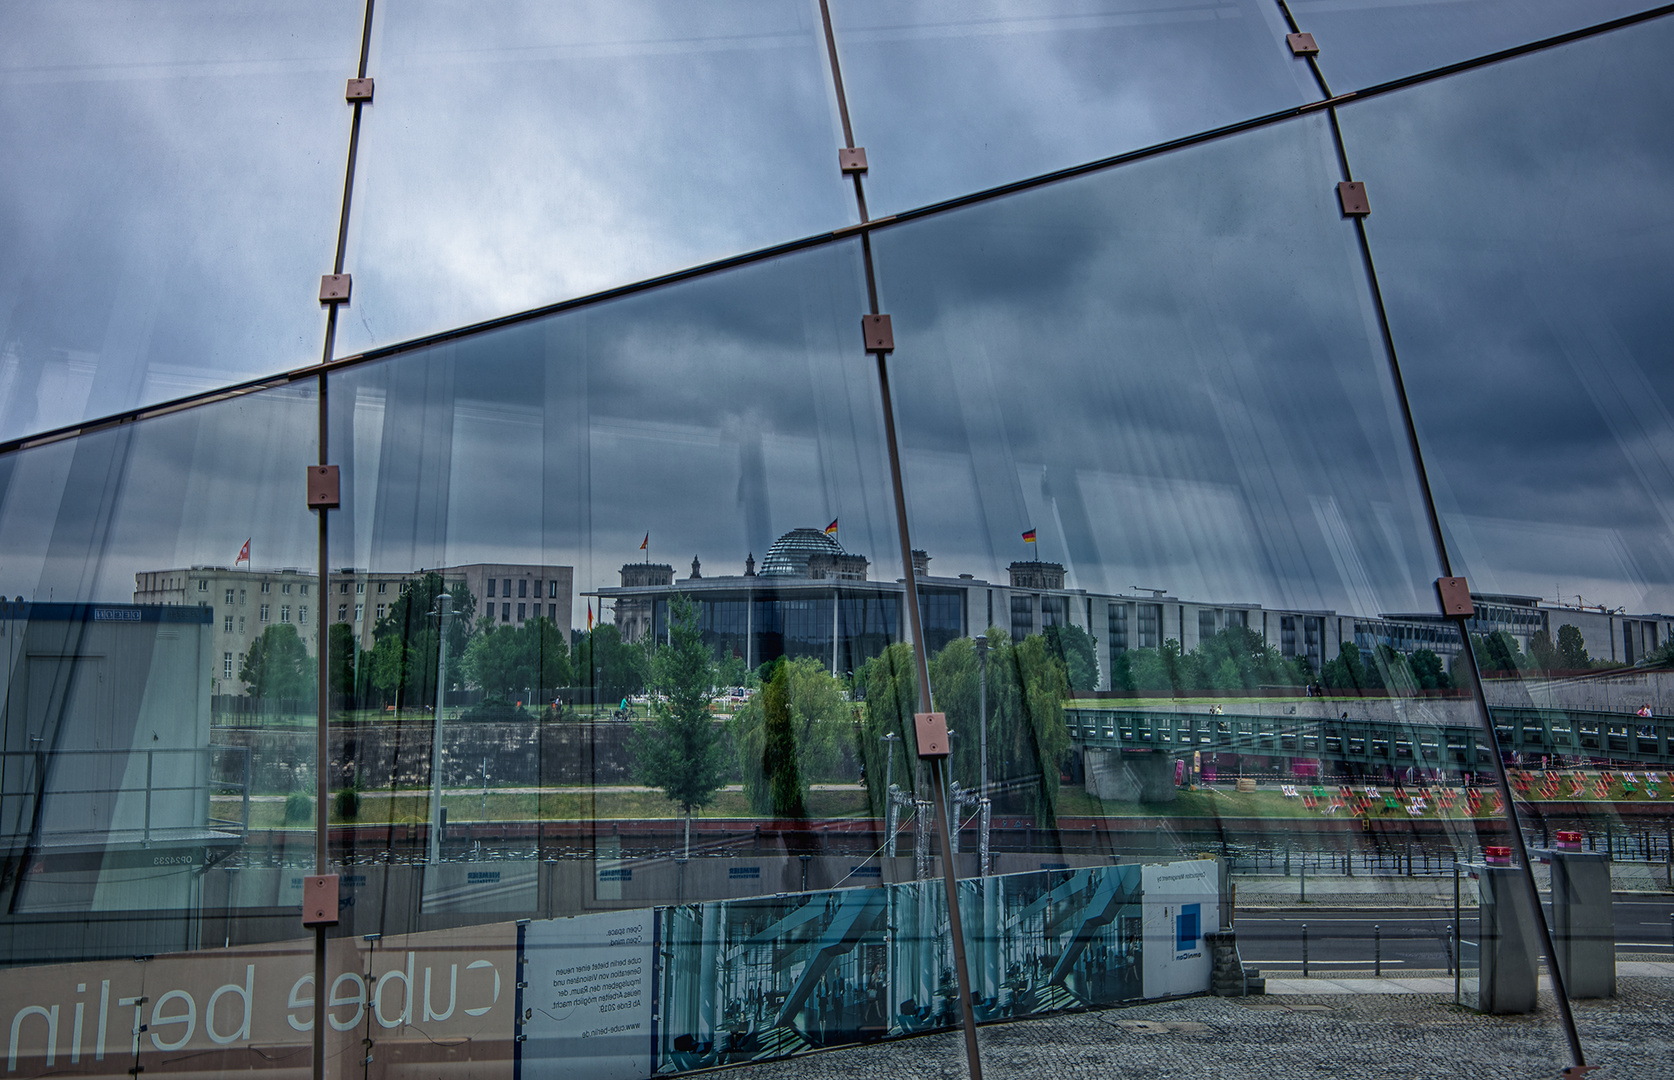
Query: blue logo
{"points": [[1188, 926]]}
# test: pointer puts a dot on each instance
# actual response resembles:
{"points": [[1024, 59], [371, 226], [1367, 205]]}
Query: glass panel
{"points": [[1148, 429], [717, 443], [1366, 42], [949, 98], [1533, 327], [168, 199], [156, 778], [525, 159]]}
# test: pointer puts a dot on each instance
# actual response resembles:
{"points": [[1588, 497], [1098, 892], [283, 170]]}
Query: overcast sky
{"points": [[1169, 370]]}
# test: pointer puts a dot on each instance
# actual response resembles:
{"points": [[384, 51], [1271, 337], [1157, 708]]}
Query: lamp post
{"points": [[889, 793], [981, 642], [443, 614]]}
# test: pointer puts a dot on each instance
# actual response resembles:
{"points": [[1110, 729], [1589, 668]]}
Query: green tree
{"points": [[612, 668], [779, 765], [1238, 658], [1572, 648], [889, 684], [680, 751], [510, 661], [1077, 650], [821, 721], [1349, 672], [1499, 651], [412, 678], [1027, 736], [1428, 670], [1543, 653], [277, 666], [1163, 671], [343, 660]]}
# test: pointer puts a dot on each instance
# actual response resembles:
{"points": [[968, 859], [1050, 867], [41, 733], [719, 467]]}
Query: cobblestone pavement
{"points": [[1375, 1037]]}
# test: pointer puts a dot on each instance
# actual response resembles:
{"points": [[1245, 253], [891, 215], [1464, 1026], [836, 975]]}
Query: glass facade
{"points": [[799, 526]]}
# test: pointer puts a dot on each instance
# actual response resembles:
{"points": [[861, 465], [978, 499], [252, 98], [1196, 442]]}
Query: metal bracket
{"points": [[879, 334], [852, 159], [324, 490], [358, 90], [1302, 44], [319, 900], [1576, 1072], [1455, 595], [334, 288], [1352, 195], [932, 734]]}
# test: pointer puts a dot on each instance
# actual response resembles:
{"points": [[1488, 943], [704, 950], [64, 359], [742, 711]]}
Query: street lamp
{"points": [[889, 793], [981, 643], [443, 614]]}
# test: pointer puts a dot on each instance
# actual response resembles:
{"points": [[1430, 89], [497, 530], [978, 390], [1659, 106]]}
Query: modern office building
{"points": [[1321, 319]]}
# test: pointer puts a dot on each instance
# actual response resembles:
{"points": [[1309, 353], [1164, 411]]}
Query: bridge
{"points": [[1363, 745]]}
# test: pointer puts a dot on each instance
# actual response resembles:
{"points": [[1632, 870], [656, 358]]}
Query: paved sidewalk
{"points": [[1341, 1035], [1439, 984]]}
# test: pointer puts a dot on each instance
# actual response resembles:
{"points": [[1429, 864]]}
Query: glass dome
{"points": [[789, 555]]}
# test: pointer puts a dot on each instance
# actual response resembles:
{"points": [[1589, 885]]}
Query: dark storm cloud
{"points": [[1168, 371], [79, 518], [168, 198], [950, 96], [1521, 229], [519, 160], [1366, 42]]}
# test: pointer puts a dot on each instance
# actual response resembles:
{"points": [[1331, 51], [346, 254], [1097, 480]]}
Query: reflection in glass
{"points": [[1149, 434], [617, 733], [530, 158], [168, 200], [949, 98], [1533, 331], [1366, 43], [156, 777]]}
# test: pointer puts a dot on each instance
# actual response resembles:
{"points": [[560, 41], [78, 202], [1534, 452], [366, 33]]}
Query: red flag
{"points": [[643, 544], [832, 528], [1029, 537], [589, 615], [243, 554]]}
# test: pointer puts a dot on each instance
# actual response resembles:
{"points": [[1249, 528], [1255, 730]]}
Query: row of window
{"points": [[523, 591], [265, 611], [522, 610]]}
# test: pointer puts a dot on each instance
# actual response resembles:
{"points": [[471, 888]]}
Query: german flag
{"points": [[1029, 537], [831, 530]]}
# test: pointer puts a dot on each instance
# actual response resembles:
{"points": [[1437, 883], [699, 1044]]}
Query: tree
{"points": [[1542, 652], [409, 668], [1027, 736], [820, 720], [611, 667], [889, 683], [343, 659], [1572, 648], [277, 666], [1077, 650], [1349, 672], [1499, 652], [780, 768], [1428, 670], [680, 751]]}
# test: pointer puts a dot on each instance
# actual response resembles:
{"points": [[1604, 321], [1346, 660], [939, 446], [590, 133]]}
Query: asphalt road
{"points": [[1342, 940]]}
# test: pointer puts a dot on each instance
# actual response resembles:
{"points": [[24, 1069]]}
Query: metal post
{"points": [[443, 614], [1377, 951], [1304, 871], [1450, 950], [981, 642], [1305, 950], [889, 793], [1457, 932]]}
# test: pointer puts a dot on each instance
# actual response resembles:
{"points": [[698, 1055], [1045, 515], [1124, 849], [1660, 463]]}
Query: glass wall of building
{"points": [[826, 523]]}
